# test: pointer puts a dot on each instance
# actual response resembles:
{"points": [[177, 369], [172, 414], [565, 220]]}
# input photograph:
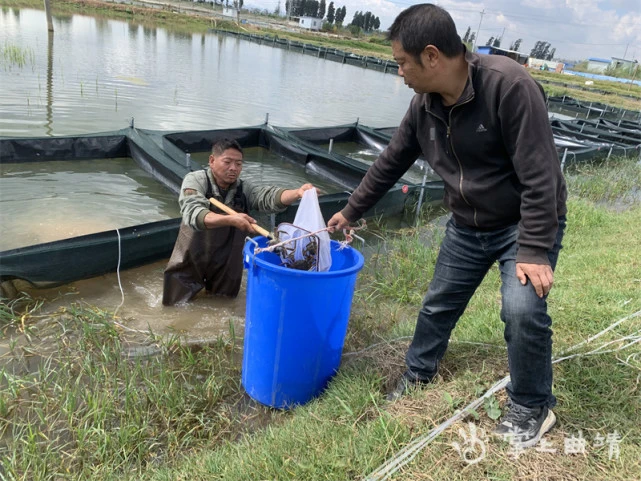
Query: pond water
{"points": [[97, 74], [368, 155], [204, 318], [48, 201]]}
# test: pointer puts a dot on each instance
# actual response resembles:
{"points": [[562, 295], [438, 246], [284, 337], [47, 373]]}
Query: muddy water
{"points": [[48, 201], [205, 317]]}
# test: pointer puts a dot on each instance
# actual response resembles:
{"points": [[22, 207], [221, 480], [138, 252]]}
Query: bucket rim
{"points": [[250, 258]]}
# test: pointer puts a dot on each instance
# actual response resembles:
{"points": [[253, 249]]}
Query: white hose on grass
{"points": [[122, 293], [407, 454]]}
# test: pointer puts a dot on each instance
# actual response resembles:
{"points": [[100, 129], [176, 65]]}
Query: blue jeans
{"points": [[464, 258]]}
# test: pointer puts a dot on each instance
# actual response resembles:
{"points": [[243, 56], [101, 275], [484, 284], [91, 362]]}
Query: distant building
{"points": [[551, 65], [513, 54], [598, 65], [231, 12], [623, 63], [310, 23]]}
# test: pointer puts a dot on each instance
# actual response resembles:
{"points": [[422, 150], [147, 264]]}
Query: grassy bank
{"points": [[199, 19], [83, 398], [149, 17]]}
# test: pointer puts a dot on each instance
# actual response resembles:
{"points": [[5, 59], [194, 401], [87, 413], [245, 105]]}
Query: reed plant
{"points": [[12, 55]]}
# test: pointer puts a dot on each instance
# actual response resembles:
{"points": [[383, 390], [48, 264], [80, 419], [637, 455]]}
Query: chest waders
{"points": [[211, 259]]}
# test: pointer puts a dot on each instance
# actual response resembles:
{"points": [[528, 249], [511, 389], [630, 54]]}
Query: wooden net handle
{"points": [[230, 211]]}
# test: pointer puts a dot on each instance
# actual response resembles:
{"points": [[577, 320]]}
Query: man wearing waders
{"points": [[208, 251], [482, 124]]}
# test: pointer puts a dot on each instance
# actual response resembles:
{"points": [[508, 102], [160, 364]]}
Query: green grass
{"points": [[603, 85], [615, 181], [73, 405], [148, 17]]}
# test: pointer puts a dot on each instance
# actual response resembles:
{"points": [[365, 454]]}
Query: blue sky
{"points": [[578, 29]]}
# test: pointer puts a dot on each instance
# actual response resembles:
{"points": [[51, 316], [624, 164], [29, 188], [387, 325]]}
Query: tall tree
{"points": [[355, 19], [467, 35], [517, 43], [535, 50], [311, 8], [542, 50], [330, 13], [367, 21], [337, 16], [321, 9], [490, 42], [551, 54], [546, 50], [497, 42]]}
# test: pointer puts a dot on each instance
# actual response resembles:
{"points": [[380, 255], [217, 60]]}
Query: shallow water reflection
{"points": [[97, 74]]}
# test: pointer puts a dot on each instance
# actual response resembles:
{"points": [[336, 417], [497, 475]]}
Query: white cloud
{"points": [[578, 29]]}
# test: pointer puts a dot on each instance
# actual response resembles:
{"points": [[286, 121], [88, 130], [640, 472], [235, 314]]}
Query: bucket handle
{"points": [[246, 259]]}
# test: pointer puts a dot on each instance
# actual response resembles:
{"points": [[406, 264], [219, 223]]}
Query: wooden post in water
{"points": [[48, 12], [49, 109]]}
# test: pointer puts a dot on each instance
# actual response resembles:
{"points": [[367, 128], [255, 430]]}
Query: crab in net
{"points": [[307, 249]]}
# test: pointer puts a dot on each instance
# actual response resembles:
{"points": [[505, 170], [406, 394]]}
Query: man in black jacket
{"points": [[481, 122]]}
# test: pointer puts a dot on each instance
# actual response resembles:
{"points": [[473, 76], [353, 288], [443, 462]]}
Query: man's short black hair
{"points": [[426, 24], [223, 144]]}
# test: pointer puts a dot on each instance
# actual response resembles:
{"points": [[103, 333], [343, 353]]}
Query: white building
{"points": [[598, 65], [231, 12], [621, 62], [311, 23], [538, 64]]}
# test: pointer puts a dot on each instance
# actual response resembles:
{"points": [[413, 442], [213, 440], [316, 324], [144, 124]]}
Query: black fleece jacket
{"points": [[494, 151]]}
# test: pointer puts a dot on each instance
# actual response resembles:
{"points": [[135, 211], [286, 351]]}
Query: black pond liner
{"points": [[164, 156], [604, 138], [369, 138], [94, 254], [593, 109]]}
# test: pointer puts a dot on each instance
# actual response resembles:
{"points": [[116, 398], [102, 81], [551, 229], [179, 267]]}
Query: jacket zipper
{"points": [[451, 145]]}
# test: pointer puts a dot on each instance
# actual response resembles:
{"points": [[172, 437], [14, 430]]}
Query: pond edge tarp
{"points": [[164, 156]]}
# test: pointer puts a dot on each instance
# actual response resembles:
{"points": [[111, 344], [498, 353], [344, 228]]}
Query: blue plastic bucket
{"points": [[295, 325]]}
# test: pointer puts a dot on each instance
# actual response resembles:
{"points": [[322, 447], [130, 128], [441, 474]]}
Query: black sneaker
{"points": [[525, 426], [407, 382]]}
